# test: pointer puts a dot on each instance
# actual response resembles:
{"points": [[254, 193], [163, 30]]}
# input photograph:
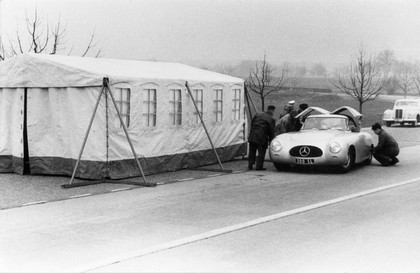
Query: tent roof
{"points": [[42, 70]]}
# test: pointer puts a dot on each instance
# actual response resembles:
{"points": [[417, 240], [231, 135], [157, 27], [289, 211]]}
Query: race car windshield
{"points": [[325, 123]]}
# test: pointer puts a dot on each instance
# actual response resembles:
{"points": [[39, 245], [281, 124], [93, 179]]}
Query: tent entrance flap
{"points": [[26, 164], [105, 91]]}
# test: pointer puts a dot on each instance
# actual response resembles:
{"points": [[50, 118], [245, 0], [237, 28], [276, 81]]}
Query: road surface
{"points": [[364, 221]]}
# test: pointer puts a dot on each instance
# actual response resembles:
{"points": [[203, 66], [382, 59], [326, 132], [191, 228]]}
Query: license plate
{"points": [[305, 161]]}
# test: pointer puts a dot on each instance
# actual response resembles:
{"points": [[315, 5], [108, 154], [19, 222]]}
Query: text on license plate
{"points": [[304, 161]]}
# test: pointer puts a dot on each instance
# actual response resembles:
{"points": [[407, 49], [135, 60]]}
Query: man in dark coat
{"points": [[387, 149], [262, 132], [298, 122]]}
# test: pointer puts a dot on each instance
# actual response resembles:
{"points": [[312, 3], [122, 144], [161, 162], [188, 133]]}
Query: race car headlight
{"points": [[335, 147], [276, 145]]}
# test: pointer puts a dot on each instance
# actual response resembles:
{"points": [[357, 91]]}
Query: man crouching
{"points": [[387, 149]]}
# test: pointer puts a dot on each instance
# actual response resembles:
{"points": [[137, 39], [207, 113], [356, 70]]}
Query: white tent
{"points": [[47, 101]]}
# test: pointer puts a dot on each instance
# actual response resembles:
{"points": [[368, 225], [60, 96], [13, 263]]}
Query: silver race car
{"points": [[325, 139]]}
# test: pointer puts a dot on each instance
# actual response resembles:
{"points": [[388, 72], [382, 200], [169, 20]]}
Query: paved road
{"points": [[239, 222], [375, 233]]}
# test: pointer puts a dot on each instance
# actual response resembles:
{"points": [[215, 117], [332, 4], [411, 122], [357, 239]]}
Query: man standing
{"points": [[262, 132], [285, 124], [289, 107], [298, 122], [387, 149]]}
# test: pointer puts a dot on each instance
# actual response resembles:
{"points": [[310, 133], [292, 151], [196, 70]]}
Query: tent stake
{"points": [[204, 126]]}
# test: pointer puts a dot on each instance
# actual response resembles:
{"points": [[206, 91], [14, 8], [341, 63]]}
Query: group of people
{"points": [[287, 121], [264, 128]]}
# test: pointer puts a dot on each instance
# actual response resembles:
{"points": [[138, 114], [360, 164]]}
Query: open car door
{"points": [[354, 119], [311, 109], [352, 111]]}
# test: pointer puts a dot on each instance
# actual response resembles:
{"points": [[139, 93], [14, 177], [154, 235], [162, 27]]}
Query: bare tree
{"points": [[42, 37], [318, 70], [386, 62], [363, 81], [416, 77], [405, 75], [294, 78], [262, 81], [3, 55], [225, 69]]}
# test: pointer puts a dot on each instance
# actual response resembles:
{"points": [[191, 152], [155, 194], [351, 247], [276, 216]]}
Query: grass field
{"points": [[372, 110]]}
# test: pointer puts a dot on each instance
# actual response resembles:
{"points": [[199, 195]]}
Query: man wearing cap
{"points": [[387, 149], [262, 132], [289, 107]]}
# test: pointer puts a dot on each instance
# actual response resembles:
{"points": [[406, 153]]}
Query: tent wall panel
{"points": [[127, 168], [11, 128], [64, 166], [11, 164], [58, 127]]}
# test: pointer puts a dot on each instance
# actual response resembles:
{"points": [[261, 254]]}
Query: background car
{"points": [[326, 139], [404, 111]]}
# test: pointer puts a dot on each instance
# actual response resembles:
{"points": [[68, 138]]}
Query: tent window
{"points": [[176, 106], [236, 104], [149, 104], [218, 104], [122, 99], [198, 98]]}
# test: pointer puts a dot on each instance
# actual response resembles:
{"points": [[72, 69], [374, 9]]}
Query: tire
{"points": [[281, 167], [348, 165], [368, 161], [388, 123], [413, 124]]}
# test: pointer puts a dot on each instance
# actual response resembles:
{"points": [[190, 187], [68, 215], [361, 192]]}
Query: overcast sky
{"points": [[299, 31]]}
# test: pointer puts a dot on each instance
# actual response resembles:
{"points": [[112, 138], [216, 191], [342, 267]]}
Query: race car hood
{"points": [[311, 137]]}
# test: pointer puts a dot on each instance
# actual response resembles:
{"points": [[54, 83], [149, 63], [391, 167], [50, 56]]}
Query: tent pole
{"points": [[86, 135], [248, 102], [248, 97], [107, 133], [204, 126], [106, 81]]}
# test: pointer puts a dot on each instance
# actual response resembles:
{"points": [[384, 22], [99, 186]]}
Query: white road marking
{"points": [[34, 203], [212, 175], [186, 179], [80, 195], [228, 229], [121, 189]]}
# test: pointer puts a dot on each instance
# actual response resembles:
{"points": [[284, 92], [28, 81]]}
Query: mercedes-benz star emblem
{"points": [[304, 151]]}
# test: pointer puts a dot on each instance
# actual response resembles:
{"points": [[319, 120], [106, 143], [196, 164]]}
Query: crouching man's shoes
{"points": [[394, 161], [260, 169]]}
